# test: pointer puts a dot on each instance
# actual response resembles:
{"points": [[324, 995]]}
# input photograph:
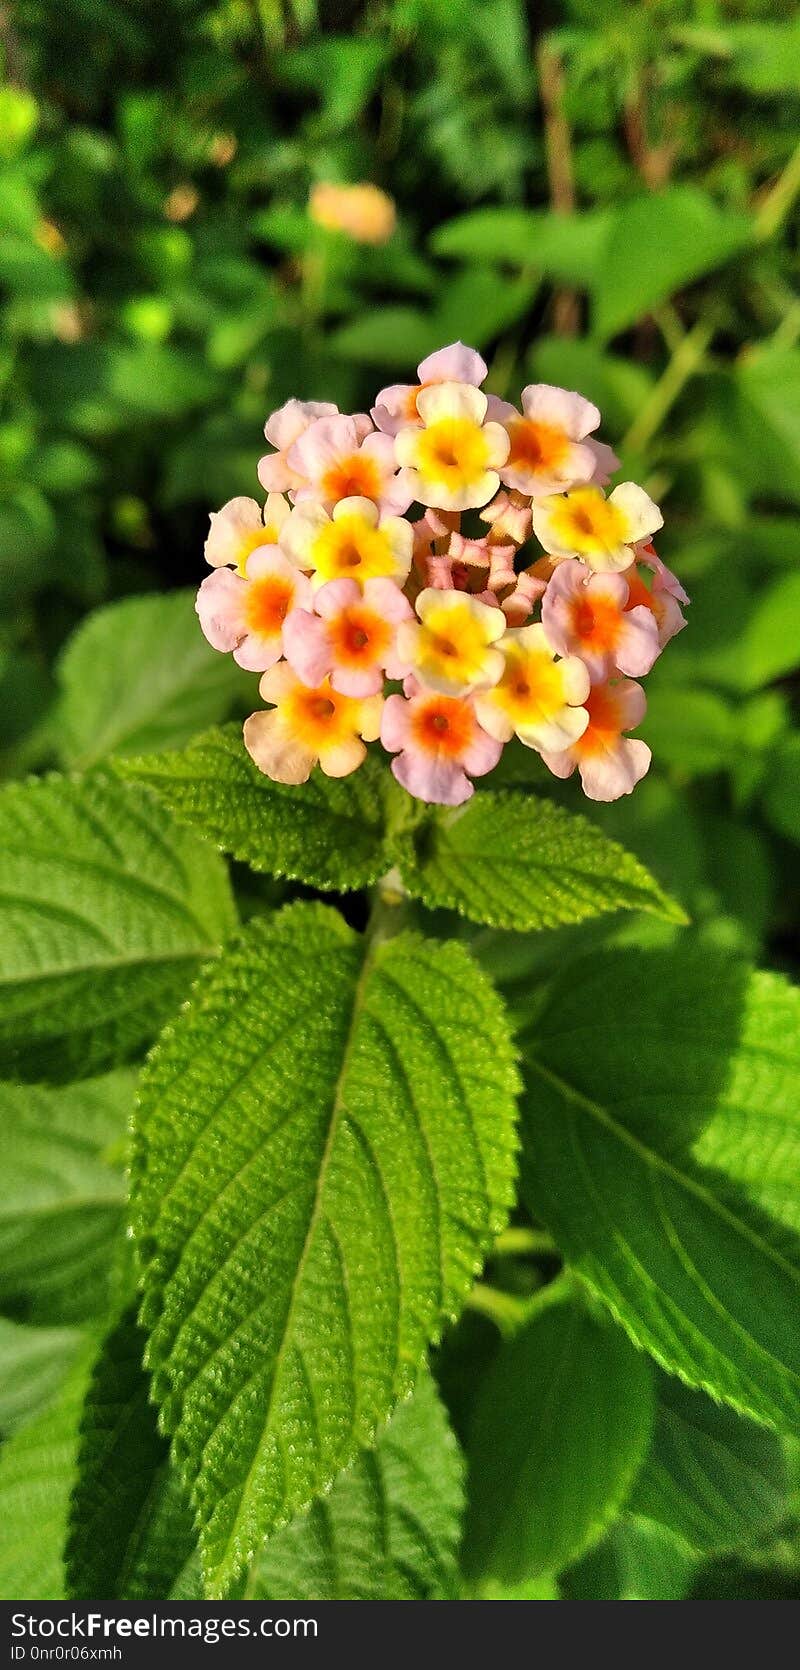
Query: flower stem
{"points": [[686, 359], [523, 1241]]}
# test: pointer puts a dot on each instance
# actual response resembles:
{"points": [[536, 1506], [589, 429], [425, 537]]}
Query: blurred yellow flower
{"points": [[181, 203], [364, 212]]}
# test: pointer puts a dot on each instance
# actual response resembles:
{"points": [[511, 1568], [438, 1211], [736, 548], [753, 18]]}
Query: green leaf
{"points": [[658, 244], [324, 1153], [130, 1531], [138, 676], [389, 1528], [754, 1135], [627, 1057], [637, 1561], [696, 730], [782, 795], [386, 336], [106, 914], [63, 1196], [328, 833], [37, 1468], [711, 1478], [765, 396], [514, 861], [561, 1424], [34, 1362], [564, 247]]}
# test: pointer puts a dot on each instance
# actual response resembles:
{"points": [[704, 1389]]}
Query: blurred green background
{"points": [[594, 194]]}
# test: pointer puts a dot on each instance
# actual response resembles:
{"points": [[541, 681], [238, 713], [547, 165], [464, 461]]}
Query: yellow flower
{"points": [[537, 698], [451, 649], [452, 455], [309, 726], [363, 212], [352, 543], [601, 531]]}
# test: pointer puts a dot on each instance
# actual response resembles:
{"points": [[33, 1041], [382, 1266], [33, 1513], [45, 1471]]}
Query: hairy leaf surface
{"points": [[514, 861], [389, 1528], [325, 1150], [327, 832], [106, 914]]}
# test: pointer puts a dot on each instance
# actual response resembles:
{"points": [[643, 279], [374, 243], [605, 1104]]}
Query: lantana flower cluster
{"points": [[441, 575]]}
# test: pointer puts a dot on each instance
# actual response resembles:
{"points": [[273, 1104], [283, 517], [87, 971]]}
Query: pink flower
{"points": [[547, 454], [283, 428], [351, 638], [610, 763], [606, 462], [587, 614], [439, 744], [663, 598], [665, 580], [397, 404], [344, 458], [246, 613]]}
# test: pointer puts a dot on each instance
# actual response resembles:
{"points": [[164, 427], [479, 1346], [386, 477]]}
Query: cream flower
{"points": [[309, 726], [352, 543], [601, 531], [452, 646], [538, 698], [453, 456]]}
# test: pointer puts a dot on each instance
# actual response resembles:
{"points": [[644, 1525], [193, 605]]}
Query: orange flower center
{"points": [[267, 604], [534, 445], [605, 721], [350, 478], [359, 636], [443, 725], [596, 623]]}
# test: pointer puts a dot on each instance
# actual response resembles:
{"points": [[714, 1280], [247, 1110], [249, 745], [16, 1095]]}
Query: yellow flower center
{"points": [[531, 688], [453, 451], [352, 548], [249, 540], [452, 645], [585, 521]]}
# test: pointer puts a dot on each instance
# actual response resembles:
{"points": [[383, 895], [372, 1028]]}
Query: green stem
{"points": [[523, 1241], [684, 362], [509, 1311], [779, 200]]}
